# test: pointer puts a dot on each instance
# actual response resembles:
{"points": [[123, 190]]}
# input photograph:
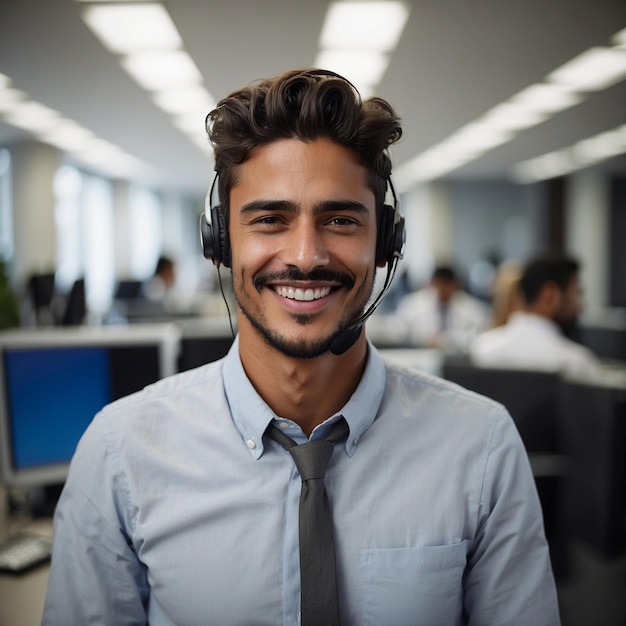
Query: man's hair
{"points": [[163, 263], [305, 104], [445, 273], [549, 268]]}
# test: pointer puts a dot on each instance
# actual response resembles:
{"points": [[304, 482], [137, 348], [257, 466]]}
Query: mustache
{"points": [[295, 275]]}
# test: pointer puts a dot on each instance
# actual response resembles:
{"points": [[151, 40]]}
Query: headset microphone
{"points": [[389, 247], [347, 337]]}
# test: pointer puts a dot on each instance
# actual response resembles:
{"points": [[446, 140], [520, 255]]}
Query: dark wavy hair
{"points": [[547, 268], [304, 104]]}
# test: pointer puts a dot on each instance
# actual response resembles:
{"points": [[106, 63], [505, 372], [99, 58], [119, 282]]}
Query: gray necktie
{"points": [[318, 577]]}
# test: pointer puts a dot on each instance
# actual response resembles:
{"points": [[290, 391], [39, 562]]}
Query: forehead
{"points": [[291, 168]]}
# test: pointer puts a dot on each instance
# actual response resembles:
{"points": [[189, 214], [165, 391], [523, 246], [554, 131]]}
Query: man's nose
{"points": [[307, 248]]}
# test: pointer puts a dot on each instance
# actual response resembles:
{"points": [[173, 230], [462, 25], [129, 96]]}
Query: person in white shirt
{"points": [[442, 315], [535, 337]]}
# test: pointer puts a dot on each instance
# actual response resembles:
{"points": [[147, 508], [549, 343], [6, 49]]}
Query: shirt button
{"points": [[251, 444], [283, 425]]}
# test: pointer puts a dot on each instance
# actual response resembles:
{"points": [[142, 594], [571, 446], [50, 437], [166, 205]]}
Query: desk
{"points": [[22, 596]]}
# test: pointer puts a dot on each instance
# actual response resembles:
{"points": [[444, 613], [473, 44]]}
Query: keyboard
{"points": [[22, 551]]}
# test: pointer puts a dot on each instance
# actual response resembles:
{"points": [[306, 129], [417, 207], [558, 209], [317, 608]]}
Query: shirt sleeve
{"points": [[509, 577], [95, 576]]}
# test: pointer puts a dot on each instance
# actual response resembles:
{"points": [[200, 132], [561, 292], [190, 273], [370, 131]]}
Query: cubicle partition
{"points": [[575, 435], [594, 436]]}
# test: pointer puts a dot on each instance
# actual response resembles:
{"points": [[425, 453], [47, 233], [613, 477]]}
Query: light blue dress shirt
{"points": [[178, 511]]}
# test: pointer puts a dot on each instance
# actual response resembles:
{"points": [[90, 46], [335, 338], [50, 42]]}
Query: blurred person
{"points": [[535, 337], [181, 505], [442, 314], [161, 283], [506, 295]]}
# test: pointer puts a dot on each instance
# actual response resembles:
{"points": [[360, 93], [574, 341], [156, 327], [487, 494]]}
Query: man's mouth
{"points": [[302, 295]]}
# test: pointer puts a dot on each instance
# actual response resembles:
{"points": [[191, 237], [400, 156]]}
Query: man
{"points": [[442, 315], [162, 281], [182, 508], [535, 337]]}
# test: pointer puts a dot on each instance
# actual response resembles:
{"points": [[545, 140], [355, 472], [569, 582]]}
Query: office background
{"points": [[488, 169], [138, 181]]}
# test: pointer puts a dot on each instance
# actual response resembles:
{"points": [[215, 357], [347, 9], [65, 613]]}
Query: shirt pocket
{"points": [[413, 586]]}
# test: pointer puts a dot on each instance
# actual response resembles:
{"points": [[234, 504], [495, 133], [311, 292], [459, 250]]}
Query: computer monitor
{"points": [[53, 382], [203, 341]]}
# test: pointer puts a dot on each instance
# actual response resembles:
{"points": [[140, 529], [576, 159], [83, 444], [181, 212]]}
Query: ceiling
{"points": [[456, 60]]}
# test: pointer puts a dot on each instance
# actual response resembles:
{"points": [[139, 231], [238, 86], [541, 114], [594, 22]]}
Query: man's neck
{"points": [[307, 391]]}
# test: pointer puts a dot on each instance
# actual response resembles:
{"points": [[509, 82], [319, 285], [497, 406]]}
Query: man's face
{"points": [[570, 305], [303, 240], [445, 289]]}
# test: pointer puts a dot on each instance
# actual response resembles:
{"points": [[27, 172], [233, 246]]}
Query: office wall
{"points": [[33, 167], [617, 236], [467, 222], [587, 226]]}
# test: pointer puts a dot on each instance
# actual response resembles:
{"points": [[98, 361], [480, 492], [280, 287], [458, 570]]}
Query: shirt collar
{"points": [[539, 322], [251, 415]]}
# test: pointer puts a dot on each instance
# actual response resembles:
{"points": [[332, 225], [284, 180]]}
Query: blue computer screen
{"points": [[53, 394]]}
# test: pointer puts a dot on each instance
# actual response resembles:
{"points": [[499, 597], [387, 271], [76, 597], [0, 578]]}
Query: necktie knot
{"points": [[312, 458]]}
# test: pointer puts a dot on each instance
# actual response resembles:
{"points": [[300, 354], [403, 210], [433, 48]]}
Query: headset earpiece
{"points": [[391, 231], [213, 232]]}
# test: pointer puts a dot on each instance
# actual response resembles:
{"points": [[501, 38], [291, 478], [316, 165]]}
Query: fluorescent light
{"points": [[109, 157], [68, 136], [184, 100], [478, 137], [544, 167], [601, 147], [582, 154], [593, 70], [364, 25], [155, 71], [619, 39], [547, 98], [10, 98], [429, 165], [192, 123], [513, 116], [361, 68], [32, 116], [126, 28]]}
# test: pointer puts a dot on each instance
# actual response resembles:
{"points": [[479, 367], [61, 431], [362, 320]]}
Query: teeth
{"points": [[302, 294]]}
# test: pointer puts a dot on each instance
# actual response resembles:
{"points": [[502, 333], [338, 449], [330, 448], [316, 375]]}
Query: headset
{"points": [[390, 242]]}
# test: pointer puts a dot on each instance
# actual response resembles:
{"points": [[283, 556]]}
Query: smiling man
{"points": [[200, 499]]}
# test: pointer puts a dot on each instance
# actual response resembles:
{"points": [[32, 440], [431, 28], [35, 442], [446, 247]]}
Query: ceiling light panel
{"points": [[156, 71], [128, 28], [364, 25], [596, 69], [619, 39], [363, 68], [33, 116], [184, 100], [547, 98]]}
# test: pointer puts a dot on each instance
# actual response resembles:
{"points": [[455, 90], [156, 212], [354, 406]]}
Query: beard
{"points": [[304, 348]]}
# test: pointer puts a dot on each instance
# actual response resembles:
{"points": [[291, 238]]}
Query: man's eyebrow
{"points": [[325, 206], [332, 206], [268, 205]]}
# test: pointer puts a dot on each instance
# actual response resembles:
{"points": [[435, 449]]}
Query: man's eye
{"points": [[268, 220], [341, 221]]}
